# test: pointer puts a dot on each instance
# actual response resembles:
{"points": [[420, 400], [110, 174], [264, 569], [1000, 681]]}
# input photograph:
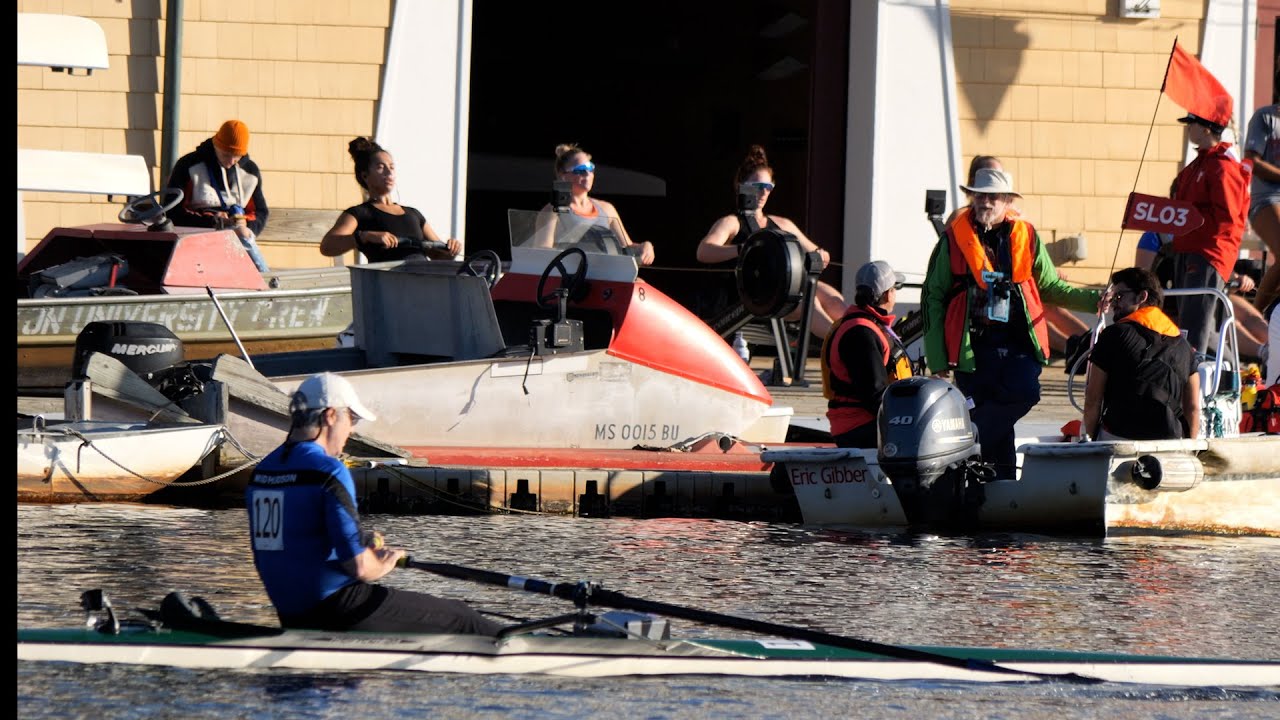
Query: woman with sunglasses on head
{"points": [[377, 226], [574, 166], [721, 245]]}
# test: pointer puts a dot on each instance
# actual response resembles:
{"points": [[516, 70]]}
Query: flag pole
{"points": [[1101, 314], [1150, 129], [1168, 65]]}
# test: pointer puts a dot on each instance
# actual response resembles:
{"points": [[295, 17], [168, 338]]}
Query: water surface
{"points": [[1160, 595]]}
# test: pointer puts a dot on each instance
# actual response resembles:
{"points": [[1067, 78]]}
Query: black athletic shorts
{"points": [[376, 608]]}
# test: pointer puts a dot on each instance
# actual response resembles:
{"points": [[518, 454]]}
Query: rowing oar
{"points": [[586, 594]]}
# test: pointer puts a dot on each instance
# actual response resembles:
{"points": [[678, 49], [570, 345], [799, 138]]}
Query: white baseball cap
{"points": [[327, 390]]}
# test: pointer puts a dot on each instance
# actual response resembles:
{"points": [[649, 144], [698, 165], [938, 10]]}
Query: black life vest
{"points": [[1158, 383]]}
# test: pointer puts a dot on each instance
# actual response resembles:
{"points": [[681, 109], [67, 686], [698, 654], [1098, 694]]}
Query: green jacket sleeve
{"points": [[1054, 290], [937, 281]]}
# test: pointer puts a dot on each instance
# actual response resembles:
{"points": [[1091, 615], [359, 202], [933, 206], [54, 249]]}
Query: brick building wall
{"points": [[303, 75], [1066, 98]]}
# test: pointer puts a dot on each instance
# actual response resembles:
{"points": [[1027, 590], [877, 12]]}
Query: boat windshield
{"points": [[558, 230]]}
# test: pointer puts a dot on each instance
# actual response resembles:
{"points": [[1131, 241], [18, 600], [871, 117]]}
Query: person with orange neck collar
{"points": [[1143, 383], [983, 297]]}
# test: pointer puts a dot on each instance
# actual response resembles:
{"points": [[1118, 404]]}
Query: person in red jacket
{"points": [[1218, 185]]}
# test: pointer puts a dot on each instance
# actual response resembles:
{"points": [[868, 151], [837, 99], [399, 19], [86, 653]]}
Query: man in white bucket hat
{"points": [[316, 560], [983, 301]]}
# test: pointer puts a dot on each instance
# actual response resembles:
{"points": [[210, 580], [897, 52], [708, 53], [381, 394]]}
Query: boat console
{"points": [[143, 255]]}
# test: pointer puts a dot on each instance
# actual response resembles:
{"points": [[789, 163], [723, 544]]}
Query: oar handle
{"points": [[564, 591]]}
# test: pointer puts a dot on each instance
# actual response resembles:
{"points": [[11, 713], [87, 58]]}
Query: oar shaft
{"points": [[609, 598], [618, 600]]}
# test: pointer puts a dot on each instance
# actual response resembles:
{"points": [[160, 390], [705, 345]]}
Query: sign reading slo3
{"points": [[1162, 215]]}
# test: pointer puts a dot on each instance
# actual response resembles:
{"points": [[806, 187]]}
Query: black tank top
{"points": [[408, 225], [740, 238]]}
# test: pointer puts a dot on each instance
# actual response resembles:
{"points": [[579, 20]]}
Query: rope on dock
{"points": [[85, 442]]}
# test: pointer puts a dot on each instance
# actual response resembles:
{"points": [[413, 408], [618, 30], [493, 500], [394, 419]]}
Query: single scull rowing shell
{"points": [[611, 657]]}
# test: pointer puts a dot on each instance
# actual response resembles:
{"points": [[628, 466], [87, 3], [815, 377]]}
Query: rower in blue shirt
{"points": [[318, 565]]}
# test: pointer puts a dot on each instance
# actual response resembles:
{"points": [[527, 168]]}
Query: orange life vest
{"points": [[1154, 319], [969, 260], [837, 384]]}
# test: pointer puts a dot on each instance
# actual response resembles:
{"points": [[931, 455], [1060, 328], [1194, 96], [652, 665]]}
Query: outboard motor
{"points": [[151, 350], [929, 449]]}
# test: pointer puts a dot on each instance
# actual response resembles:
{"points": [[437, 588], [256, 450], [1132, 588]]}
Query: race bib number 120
{"points": [[267, 516]]}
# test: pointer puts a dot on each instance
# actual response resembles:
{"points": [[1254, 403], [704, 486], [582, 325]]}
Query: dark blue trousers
{"points": [[1198, 314], [1004, 386]]}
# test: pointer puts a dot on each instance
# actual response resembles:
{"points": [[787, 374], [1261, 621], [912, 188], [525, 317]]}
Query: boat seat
{"points": [[420, 311]]}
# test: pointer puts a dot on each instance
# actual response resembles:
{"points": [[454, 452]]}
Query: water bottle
{"points": [[740, 347]]}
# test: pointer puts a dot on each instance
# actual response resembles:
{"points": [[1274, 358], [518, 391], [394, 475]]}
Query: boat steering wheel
{"points": [[489, 261], [574, 286], [151, 209]]}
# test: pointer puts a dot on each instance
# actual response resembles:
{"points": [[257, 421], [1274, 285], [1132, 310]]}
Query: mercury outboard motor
{"points": [[929, 449], [151, 350]]}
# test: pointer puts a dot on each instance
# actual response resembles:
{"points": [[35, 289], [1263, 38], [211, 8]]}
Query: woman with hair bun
{"points": [[375, 226], [721, 243]]}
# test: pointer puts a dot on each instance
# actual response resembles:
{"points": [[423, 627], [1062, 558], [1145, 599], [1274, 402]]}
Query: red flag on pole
{"points": [[1189, 84]]}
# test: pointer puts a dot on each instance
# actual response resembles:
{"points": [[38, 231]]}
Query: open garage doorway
{"points": [[667, 96]]}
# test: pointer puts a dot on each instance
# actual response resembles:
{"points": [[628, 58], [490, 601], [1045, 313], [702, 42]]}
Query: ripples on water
{"points": [[1159, 595]]}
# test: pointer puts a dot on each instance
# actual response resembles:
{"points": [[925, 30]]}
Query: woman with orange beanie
{"points": [[222, 188]]}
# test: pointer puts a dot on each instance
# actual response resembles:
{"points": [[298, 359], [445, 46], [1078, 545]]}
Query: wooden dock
{"points": [[1054, 408]]}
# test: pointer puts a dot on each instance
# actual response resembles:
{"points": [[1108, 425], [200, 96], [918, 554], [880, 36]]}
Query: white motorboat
{"points": [[91, 461], [568, 348], [925, 470], [142, 281]]}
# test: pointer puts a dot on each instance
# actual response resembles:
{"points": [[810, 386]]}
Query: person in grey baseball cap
{"points": [[862, 356]]}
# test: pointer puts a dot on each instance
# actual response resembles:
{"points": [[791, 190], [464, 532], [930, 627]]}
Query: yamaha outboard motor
{"points": [[151, 350], [929, 449]]}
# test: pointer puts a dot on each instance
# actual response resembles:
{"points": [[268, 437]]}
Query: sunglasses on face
{"points": [[763, 187], [584, 169]]}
